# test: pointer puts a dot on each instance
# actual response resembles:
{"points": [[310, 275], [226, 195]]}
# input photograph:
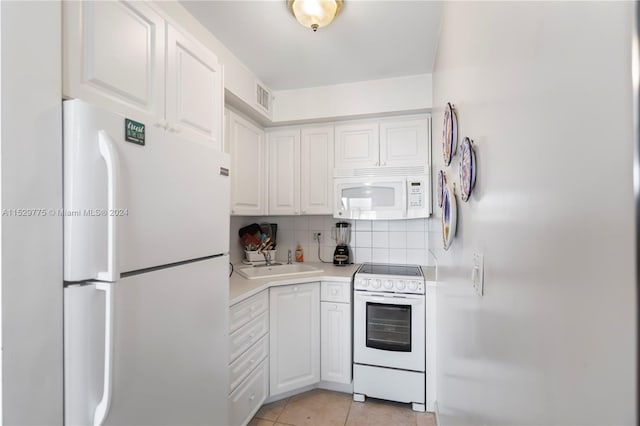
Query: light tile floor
{"points": [[321, 407]]}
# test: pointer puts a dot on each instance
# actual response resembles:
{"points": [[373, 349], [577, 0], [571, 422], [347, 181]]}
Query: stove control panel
{"points": [[389, 284]]}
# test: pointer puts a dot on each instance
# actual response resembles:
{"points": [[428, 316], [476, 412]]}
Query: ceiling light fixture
{"points": [[314, 13]]}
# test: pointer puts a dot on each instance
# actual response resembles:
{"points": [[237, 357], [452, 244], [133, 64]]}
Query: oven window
{"points": [[389, 327]]}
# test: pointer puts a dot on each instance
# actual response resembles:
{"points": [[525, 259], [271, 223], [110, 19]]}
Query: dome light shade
{"points": [[314, 13]]}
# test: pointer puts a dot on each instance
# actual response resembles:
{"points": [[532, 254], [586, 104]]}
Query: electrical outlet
{"points": [[316, 236], [477, 273]]}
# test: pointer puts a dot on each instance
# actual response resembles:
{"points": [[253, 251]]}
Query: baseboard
{"points": [[337, 387], [437, 412], [284, 395]]}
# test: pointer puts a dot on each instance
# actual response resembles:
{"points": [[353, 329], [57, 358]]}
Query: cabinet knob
{"points": [[295, 289], [161, 124], [252, 397]]}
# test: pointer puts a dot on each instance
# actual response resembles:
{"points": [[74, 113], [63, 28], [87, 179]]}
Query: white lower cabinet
{"points": [[245, 401], [249, 357], [294, 337], [335, 359], [335, 326]]}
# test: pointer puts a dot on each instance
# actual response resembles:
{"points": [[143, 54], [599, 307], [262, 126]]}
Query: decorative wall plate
{"points": [[441, 183], [449, 133], [468, 169], [449, 216]]}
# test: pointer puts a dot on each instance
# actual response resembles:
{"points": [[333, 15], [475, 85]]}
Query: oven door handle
{"points": [[392, 300]]}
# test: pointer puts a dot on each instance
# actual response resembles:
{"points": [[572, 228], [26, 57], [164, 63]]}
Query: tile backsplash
{"points": [[392, 241]]}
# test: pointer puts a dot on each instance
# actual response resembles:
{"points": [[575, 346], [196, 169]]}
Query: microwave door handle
{"points": [[406, 198]]}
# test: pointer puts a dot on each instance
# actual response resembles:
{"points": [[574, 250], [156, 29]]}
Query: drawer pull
{"points": [[252, 361], [334, 292], [252, 397], [295, 289]]}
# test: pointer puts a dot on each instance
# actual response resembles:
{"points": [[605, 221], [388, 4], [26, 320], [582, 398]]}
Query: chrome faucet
{"points": [[267, 257], [289, 262]]}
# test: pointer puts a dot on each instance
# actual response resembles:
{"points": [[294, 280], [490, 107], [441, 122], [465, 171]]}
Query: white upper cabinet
{"points": [[124, 57], [246, 146], [316, 170], [284, 172], [393, 142], [356, 145], [404, 142], [194, 89], [300, 170], [114, 57]]}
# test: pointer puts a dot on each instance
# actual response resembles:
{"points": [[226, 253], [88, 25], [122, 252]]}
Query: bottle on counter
{"points": [[299, 253]]}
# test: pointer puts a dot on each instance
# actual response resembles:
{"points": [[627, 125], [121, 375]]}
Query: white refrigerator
{"points": [[146, 241]]}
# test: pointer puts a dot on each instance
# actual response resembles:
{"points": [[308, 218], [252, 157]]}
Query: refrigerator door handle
{"points": [[110, 156], [102, 409]]}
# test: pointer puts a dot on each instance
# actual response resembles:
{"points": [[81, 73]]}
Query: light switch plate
{"points": [[477, 273]]}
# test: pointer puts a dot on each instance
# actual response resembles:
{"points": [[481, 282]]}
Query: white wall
{"points": [[385, 241], [544, 89], [31, 167], [384, 96]]}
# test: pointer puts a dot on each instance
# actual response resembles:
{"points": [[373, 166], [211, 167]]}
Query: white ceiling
{"points": [[370, 39]]}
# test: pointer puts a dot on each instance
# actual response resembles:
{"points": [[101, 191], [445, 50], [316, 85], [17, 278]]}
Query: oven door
{"points": [[389, 330]]}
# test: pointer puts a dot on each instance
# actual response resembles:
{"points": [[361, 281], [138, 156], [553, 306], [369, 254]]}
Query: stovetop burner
{"points": [[386, 269], [389, 278]]}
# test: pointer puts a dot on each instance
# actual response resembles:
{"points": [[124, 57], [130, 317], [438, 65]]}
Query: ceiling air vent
{"points": [[263, 97]]}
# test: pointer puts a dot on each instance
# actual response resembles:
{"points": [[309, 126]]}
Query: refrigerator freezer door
{"points": [[170, 196], [170, 350]]}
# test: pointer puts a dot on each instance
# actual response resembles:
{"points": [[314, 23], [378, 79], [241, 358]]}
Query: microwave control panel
{"points": [[416, 194]]}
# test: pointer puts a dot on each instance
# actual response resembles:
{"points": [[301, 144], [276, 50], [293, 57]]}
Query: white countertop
{"points": [[241, 288]]}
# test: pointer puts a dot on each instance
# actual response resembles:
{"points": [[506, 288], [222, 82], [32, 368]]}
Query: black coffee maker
{"points": [[342, 236]]}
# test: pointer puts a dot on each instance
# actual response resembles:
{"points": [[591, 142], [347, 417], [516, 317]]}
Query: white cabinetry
{"points": [[248, 360], [294, 337], [356, 145], [284, 172], [393, 142], [194, 89], [124, 57], [246, 146], [316, 171], [335, 326], [300, 170]]}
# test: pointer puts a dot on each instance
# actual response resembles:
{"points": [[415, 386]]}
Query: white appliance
{"points": [[370, 198], [146, 246], [389, 360]]}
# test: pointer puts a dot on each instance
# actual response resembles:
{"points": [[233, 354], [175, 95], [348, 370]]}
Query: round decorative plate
{"points": [[441, 183], [449, 134], [468, 168], [449, 216]]}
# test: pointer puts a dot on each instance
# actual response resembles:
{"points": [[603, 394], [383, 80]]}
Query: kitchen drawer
{"points": [[242, 339], [243, 312], [245, 401], [333, 291], [241, 367]]}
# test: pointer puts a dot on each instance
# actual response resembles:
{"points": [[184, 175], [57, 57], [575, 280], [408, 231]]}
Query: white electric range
{"points": [[389, 334]]}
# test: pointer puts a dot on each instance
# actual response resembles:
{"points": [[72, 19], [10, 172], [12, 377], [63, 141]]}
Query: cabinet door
{"points": [[284, 172], [356, 145], [316, 170], [404, 142], [194, 89], [335, 325], [114, 57], [247, 167], [294, 332]]}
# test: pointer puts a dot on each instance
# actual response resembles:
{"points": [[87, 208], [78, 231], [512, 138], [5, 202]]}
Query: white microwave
{"points": [[371, 198]]}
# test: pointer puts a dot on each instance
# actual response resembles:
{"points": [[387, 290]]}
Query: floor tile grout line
{"points": [[348, 412]]}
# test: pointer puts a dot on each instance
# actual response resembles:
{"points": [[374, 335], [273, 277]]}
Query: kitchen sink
{"points": [[276, 270]]}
